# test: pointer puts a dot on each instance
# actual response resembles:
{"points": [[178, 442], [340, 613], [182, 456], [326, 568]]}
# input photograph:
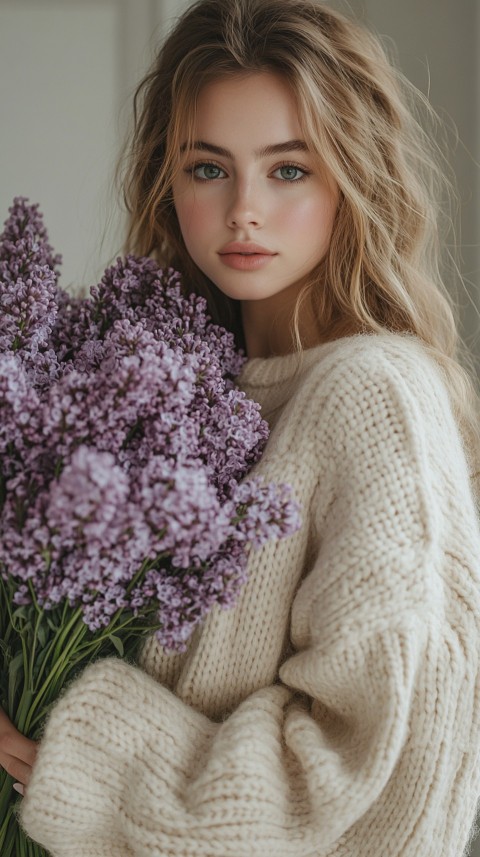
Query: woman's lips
{"points": [[246, 261], [245, 255]]}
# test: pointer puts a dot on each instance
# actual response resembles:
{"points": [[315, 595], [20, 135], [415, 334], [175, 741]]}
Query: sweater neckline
{"points": [[267, 371]]}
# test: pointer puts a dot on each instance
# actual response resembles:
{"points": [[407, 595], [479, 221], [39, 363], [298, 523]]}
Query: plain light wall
{"points": [[68, 69], [436, 44], [59, 94]]}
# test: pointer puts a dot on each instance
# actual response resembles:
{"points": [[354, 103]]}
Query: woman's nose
{"points": [[245, 208]]}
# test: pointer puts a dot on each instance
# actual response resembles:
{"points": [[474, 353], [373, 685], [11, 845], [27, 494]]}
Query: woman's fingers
{"points": [[17, 753], [13, 743], [16, 768]]}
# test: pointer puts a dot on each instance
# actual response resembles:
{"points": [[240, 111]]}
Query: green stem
{"points": [[50, 645], [57, 669], [5, 795], [8, 839], [111, 629], [64, 631], [27, 694], [26, 847], [5, 822], [40, 613]]}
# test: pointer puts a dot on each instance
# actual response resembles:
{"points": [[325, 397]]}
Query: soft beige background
{"points": [[437, 45], [68, 69], [67, 72]]}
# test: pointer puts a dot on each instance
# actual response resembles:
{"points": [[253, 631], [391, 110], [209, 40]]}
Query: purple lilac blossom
{"points": [[24, 241], [124, 444], [139, 289], [18, 404], [28, 290]]}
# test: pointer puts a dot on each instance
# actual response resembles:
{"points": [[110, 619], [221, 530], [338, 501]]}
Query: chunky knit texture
{"points": [[335, 711]]}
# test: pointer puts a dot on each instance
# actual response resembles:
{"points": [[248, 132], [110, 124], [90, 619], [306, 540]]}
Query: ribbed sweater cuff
{"points": [[90, 750]]}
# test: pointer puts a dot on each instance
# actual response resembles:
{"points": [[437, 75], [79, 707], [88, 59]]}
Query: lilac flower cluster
{"points": [[28, 293], [124, 443]]}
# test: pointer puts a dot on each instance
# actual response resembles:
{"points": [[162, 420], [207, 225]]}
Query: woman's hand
{"points": [[17, 753]]}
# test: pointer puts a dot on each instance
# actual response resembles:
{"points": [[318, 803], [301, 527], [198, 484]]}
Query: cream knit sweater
{"points": [[334, 712]]}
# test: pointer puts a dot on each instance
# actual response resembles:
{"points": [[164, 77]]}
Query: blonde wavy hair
{"points": [[382, 271]]}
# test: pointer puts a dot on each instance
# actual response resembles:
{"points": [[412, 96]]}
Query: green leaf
{"points": [[6, 649], [15, 676], [54, 626], [42, 634], [117, 643], [21, 612]]}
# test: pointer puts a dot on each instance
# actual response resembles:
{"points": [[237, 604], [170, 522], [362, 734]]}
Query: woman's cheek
{"points": [[195, 216], [313, 217]]}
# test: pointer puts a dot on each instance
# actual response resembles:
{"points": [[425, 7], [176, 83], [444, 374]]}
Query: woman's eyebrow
{"points": [[266, 151]]}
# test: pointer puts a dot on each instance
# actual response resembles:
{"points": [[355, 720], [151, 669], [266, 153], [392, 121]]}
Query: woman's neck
{"points": [[268, 335]]}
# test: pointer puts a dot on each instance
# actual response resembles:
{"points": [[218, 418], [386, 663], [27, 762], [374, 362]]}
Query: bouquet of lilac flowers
{"points": [[124, 444]]}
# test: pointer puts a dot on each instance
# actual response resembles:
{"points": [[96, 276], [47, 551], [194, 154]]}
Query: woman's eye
{"points": [[206, 172], [290, 173]]}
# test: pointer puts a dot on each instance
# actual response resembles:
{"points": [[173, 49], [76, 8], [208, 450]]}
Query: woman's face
{"points": [[256, 213]]}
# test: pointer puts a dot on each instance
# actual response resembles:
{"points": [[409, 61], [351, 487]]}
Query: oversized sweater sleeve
{"points": [[126, 768]]}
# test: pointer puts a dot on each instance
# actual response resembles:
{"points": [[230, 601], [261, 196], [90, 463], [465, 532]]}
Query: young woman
{"points": [[335, 710]]}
